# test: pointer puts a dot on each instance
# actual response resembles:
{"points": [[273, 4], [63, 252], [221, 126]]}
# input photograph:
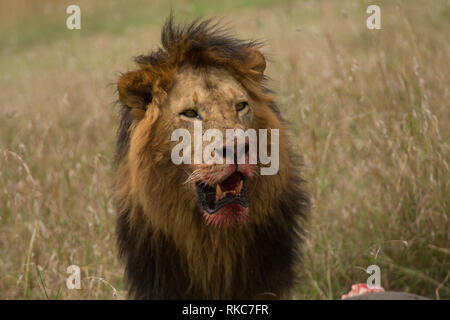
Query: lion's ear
{"points": [[135, 89], [256, 63]]}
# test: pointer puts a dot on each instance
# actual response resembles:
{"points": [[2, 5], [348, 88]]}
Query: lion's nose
{"points": [[235, 152]]}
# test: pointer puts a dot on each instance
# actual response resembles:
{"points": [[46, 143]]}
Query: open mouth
{"points": [[232, 190]]}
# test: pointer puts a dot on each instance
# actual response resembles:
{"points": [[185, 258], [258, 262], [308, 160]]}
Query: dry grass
{"points": [[369, 109]]}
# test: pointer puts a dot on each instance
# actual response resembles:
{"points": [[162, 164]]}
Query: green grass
{"points": [[106, 17]]}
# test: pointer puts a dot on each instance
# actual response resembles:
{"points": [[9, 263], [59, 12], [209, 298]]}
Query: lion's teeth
{"points": [[239, 188], [218, 190]]}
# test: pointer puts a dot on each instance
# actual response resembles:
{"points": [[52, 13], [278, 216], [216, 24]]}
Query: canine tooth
{"points": [[239, 188], [218, 190]]}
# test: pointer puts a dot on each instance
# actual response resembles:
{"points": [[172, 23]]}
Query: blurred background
{"points": [[369, 112]]}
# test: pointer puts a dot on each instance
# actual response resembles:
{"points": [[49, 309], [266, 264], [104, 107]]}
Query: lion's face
{"points": [[213, 87], [226, 194], [213, 99]]}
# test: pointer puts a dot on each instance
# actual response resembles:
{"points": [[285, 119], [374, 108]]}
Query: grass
{"points": [[368, 109]]}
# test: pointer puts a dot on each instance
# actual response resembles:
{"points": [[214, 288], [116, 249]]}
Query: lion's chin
{"points": [[231, 215]]}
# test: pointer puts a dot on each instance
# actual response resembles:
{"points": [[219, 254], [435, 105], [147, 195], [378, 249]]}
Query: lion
{"points": [[204, 231]]}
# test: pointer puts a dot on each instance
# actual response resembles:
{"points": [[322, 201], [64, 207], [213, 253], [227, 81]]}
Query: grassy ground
{"points": [[369, 109]]}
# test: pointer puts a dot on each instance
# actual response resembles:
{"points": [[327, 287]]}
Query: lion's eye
{"points": [[190, 113], [241, 106]]}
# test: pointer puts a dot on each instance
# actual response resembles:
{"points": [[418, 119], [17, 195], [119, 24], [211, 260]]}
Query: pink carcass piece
{"points": [[362, 288]]}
